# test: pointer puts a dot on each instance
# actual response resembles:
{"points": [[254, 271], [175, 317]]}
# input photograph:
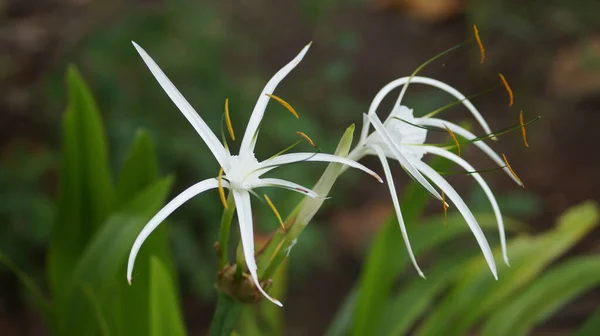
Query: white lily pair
{"points": [[242, 172], [402, 137]]}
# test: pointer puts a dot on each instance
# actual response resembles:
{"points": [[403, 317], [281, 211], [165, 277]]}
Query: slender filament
{"points": [[284, 104], [307, 138], [275, 211], [445, 206], [512, 171], [523, 131], [221, 190], [228, 120], [511, 98], [453, 138], [481, 48]]}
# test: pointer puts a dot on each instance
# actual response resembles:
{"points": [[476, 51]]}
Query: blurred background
{"points": [[549, 50]]}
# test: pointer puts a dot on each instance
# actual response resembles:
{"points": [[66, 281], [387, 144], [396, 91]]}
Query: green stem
{"points": [[226, 315], [224, 230]]}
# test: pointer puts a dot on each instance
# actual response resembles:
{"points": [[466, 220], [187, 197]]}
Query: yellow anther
{"points": [[523, 129], [445, 206], [508, 89], [512, 171], [275, 211], [221, 190], [284, 104], [228, 120], [306, 138], [481, 48], [453, 138]]}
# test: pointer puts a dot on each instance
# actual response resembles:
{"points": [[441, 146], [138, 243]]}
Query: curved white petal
{"points": [[364, 133], [175, 203], [488, 192], [273, 182], [188, 111], [244, 212], [259, 109], [405, 162], [434, 122], [464, 210], [394, 195], [277, 161], [431, 82]]}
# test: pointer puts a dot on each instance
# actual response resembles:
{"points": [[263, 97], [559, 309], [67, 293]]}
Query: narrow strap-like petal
{"points": [[188, 111], [432, 82], [469, 136], [261, 104], [405, 162], [464, 210], [175, 203], [364, 133], [486, 189], [394, 195], [273, 182], [244, 213], [277, 161]]}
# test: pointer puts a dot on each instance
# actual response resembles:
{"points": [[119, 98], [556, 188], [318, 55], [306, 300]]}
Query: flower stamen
{"points": [[221, 189], [445, 206], [284, 104], [453, 138], [307, 138], [481, 48], [523, 131], [508, 89], [512, 171], [275, 211], [228, 120]]}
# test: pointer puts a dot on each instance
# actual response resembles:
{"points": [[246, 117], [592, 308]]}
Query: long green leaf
{"points": [[138, 172], [477, 293], [99, 266], [591, 325], [384, 259], [416, 297], [165, 314], [85, 190], [560, 285]]}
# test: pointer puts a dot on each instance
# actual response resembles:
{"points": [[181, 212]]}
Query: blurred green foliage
{"points": [[94, 228]]}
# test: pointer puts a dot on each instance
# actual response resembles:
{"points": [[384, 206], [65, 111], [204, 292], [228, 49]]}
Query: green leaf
{"points": [[39, 301], [343, 318], [104, 257], [101, 325], [85, 190], [477, 294], [139, 170], [384, 259], [591, 325], [165, 314], [416, 297], [560, 285]]}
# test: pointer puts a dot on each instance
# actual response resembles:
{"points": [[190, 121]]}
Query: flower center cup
{"points": [[241, 171], [402, 133]]}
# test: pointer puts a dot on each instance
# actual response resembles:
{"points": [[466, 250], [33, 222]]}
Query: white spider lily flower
{"points": [[402, 137], [242, 172]]}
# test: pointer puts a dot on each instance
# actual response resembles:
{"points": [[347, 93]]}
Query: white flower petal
{"points": [[244, 212], [405, 162], [273, 182], [175, 203], [464, 210], [432, 82], [277, 161], [188, 111], [434, 122], [488, 192], [259, 109], [394, 195], [364, 134]]}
